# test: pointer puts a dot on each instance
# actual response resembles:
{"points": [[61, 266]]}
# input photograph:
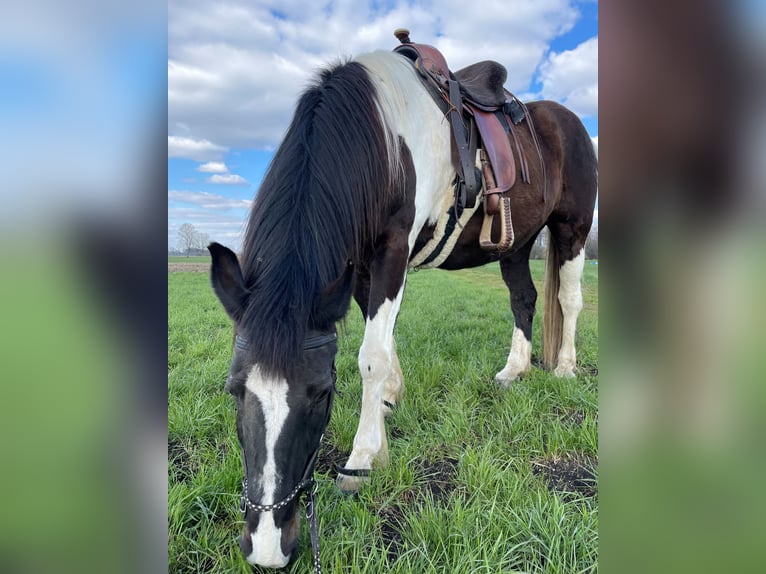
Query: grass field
{"points": [[480, 479]]}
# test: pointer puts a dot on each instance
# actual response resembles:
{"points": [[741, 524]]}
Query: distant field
{"points": [[480, 479], [192, 259], [178, 264]]}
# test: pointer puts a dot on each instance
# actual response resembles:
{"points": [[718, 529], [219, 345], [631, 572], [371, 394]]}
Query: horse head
{"points": [[281, 416]]}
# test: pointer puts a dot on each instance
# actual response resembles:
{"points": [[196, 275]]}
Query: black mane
{"points": [[319, 205]]}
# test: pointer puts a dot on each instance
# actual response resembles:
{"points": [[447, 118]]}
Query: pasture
{"points": [[480, 479]]}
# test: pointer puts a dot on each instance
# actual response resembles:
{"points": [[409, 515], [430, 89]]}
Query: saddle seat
{"points": [[482, 83]]}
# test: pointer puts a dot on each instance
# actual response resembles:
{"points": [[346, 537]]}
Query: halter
{"points": [[311, 342], [307, 483]]}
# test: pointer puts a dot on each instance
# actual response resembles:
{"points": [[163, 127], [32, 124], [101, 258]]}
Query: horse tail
{"points": [[553, 318]]}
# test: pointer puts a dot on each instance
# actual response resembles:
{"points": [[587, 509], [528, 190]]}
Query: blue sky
{"points": [[236, 69]]}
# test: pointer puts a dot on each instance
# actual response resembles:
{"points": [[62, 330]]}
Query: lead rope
{"points": [[313, 529]]}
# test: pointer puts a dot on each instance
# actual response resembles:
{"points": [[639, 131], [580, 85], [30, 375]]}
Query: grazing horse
{"points": [[358, 191]]}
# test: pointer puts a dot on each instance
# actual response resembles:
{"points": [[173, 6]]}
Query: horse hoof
{"points": [[388, 408], [505, 377], [350, 480], [350, 485], [504, 383], [565, 371]]}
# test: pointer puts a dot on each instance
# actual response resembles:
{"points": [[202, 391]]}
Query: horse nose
{"points": [[264, 546]]}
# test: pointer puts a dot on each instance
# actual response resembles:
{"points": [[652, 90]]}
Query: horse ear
{"points": [[227, 280]]}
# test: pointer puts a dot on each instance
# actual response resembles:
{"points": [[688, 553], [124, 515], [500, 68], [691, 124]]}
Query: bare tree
{"points": [[202, 240], [187, 236], [591, 244], [541, 242]]}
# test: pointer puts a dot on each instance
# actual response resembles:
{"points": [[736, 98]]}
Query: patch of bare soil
{"points": [[186, 267], [435, 480], [591, 370], [329, 456], [571, 474], [570, 416], [180, 460]]}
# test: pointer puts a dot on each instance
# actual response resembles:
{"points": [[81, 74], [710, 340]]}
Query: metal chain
{"points": [[308, 485]]}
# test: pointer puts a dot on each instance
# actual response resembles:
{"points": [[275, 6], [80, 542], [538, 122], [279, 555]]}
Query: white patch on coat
{"points": [[447, 211], [376, 366], [409, 109], [519, 358], [272, 396], [570, 299]]}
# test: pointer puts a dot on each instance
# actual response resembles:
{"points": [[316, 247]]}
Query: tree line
{"points": [[191, 241], [591, 244]]}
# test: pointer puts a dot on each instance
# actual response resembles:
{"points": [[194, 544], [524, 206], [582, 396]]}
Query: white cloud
{"points": [[571, 77], [196, 149], [227, 179], [206, 200], [213, 167], [235, 71], [594, 139]]}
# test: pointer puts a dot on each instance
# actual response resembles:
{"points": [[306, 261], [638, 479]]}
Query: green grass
{"points": [[493, 512]]}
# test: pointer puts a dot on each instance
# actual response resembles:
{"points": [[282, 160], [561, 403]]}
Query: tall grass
{"points": [[480, 479]]}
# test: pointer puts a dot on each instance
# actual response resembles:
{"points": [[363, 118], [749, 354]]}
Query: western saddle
{"points": [[482, 116]]}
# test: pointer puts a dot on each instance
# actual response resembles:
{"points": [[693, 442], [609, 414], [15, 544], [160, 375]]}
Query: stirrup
{"points": [[506, 228]]}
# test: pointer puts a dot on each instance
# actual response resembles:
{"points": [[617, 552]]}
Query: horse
{"points": [[356, 192]]}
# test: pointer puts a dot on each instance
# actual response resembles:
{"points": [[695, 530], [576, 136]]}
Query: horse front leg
{"points": [[518, 279], [393, 390], [394, 387], [378, 365]]}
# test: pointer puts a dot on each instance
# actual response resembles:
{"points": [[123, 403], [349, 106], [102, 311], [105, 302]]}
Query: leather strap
{"points": [[364, 472], [461, 141]]}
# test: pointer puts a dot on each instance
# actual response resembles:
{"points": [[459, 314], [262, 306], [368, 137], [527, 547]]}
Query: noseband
{"points": [[307, 483]]}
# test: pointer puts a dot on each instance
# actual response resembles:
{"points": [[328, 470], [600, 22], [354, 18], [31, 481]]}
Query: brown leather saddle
{"points": [[483, 116]]}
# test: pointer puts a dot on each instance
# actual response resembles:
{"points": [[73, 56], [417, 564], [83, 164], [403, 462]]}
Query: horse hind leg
{"points": [[570, 251], [516, 274], [570, 299]]}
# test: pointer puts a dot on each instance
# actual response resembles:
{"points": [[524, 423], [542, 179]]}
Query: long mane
{"points": [[320, 203]]}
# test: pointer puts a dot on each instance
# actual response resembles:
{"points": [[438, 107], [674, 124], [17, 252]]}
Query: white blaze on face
{"points": [[272, 395]]}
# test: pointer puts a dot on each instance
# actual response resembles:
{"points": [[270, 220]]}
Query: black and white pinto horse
{"points": [[356, 193]]}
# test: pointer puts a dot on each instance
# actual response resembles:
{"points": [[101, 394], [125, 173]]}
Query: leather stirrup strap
{"points": [[461, 141], [533, 133]]}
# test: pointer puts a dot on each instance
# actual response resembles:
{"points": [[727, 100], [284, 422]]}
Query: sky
{"points": [[237, 68]]}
